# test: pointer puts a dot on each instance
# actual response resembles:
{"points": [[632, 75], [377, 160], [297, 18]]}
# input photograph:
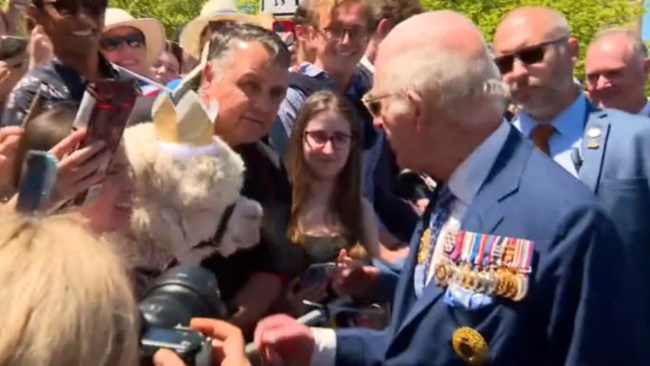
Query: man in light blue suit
{"points": [[514, 261], [608, 150]]}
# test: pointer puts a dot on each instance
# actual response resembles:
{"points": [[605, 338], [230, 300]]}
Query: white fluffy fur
{"points": [[179, 202]]}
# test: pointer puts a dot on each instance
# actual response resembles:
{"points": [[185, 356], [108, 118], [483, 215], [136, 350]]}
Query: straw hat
{"points": [[214, 10], [153, 30]]}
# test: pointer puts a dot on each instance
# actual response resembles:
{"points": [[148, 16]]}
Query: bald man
{"points": [[513, 263], [606, 149], [617, 71]]}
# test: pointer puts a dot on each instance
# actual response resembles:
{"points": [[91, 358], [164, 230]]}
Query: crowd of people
{"points": [[491, 205]]}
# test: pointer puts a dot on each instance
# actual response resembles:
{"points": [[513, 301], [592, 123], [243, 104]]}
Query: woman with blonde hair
{"points": [[65, 298]]}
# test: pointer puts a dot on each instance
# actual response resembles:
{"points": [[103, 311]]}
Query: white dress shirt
{"points": [[367, 64], [569, 126], [464, 184]]}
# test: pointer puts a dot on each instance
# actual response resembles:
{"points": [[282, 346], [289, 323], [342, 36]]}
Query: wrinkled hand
{"points": [[227, 345], [40, 47], [9, 140], [353, 278], [78, 170], [243, 227], [280, 339]]}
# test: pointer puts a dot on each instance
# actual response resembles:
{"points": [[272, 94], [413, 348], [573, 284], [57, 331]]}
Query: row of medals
{"points": [[501, 281]]}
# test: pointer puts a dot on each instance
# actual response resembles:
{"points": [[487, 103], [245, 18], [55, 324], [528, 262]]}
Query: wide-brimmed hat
{"points": [[153, 30], [212, 11]]}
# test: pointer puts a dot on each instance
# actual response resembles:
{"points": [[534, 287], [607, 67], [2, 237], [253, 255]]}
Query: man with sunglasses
{"points": [[74, 28], [605, 149]]}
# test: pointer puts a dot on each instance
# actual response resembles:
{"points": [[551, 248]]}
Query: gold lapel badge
{"points": [[470, 346]]}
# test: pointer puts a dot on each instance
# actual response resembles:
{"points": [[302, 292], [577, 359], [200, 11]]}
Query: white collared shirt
{"points": [[569, 126], [464, 184], [367, 64]]}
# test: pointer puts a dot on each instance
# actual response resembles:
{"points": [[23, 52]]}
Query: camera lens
{"points": [[180, 294]]}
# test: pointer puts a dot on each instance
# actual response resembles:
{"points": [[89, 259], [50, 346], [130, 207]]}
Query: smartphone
{"points": [[11, 46], [38, 177], [104, 111], [316, 274]]}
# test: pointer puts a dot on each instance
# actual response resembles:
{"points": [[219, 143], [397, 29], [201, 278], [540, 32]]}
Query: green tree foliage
{"points": [[586, 17]]}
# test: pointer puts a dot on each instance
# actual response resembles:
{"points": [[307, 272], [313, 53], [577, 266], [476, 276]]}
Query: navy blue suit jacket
{"points": [[580, 308]]}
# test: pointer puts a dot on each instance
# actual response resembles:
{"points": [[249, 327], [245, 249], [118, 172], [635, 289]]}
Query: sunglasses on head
{"points": [[133, 40], [528, 56], [69, 8]]}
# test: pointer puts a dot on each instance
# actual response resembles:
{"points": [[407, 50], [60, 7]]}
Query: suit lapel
{"points": [[484, 215], [592, 148]]}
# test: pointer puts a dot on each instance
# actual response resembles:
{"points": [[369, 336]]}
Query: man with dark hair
{"points": [[246, 74], [74, 28]]}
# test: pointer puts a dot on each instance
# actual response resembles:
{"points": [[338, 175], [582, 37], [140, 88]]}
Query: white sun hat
{"points": [[153, 30]]}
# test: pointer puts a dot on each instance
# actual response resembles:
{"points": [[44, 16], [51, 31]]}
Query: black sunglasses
{"points": [[70, 8], [529, 55], [133, 40]]}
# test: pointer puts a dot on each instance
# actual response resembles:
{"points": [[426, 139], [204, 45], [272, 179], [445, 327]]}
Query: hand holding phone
{"points": [[104, 111], [78, 169]]}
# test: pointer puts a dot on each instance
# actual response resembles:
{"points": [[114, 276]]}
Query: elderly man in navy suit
{"points": [[608, 150], [514, 261]]}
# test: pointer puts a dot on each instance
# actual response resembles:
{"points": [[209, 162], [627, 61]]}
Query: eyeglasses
{"points": [[133, 40], [317, 139], [529, 55], [337, 33], [373, 103], [70, 8]]}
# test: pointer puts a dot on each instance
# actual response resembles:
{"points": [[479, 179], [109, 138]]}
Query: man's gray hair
{"points": [[229, 33], [220, 48], [458, 80], [637, 46]]}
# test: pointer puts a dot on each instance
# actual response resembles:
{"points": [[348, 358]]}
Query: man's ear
{"points": [[383, 28], [34, 16], [417, 109], [646, 65], [573, 48]]}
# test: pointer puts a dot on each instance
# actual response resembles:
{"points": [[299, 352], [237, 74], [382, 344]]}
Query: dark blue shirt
{"points": [[56, 82]]}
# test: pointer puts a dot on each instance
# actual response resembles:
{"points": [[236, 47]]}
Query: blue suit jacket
{"points": [[616, 167], [579, 309]]}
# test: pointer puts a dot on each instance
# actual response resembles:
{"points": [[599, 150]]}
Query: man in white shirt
{"points": [[617, 69], [504, 266]]}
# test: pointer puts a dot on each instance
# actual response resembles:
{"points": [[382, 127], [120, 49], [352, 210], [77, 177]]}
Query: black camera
{"points": [[178, 295]]}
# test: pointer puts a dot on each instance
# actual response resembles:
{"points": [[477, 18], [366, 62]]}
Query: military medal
{"points": [[425, 242], [522, 287], [470, 346], [442, 272]]}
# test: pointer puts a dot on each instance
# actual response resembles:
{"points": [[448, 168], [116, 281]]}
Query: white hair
{"points": [[462, 83]]}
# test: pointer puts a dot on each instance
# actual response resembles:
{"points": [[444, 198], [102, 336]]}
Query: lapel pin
{"points": [[593, 132], [593, 144]]}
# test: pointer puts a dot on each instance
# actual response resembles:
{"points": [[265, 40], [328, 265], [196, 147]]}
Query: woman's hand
{"points": [[352, 277], [227, 345], [9, 140], [296, 295], [78, 170]]}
